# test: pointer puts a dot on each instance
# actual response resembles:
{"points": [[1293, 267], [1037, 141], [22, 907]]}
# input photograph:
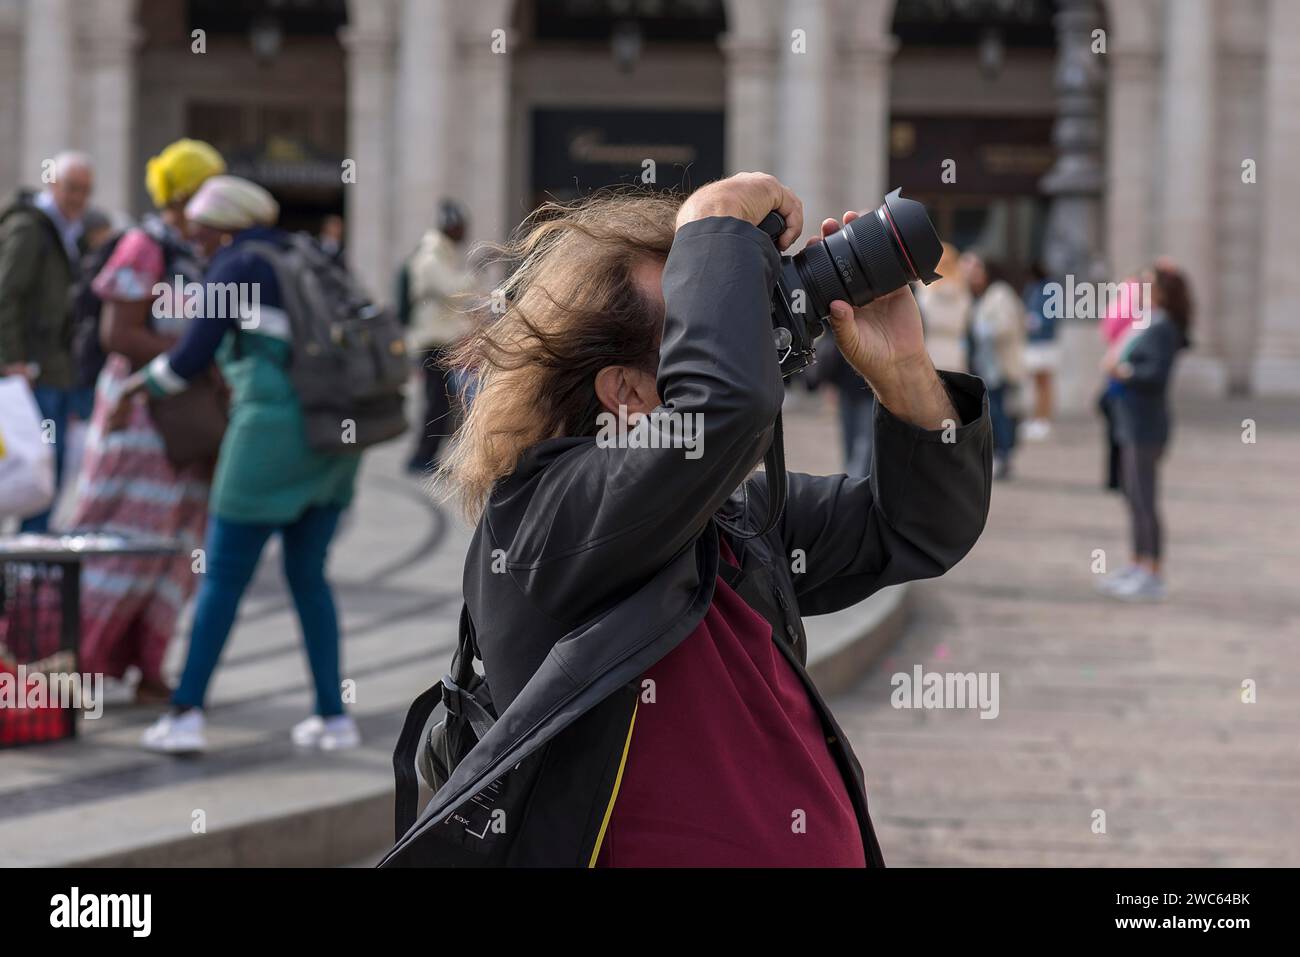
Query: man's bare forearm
{"points": [[914, 393]]}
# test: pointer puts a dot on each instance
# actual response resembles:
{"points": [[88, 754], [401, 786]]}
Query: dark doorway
{"points": [[576, 151]]}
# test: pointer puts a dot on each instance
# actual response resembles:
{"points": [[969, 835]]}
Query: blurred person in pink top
{"points": [[1115, 324]]}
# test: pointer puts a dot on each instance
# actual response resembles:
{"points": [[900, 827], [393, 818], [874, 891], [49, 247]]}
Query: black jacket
{"points": [[1142, 401], [590, 564]]}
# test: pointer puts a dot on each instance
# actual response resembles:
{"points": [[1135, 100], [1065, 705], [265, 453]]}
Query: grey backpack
{"points": [[349, 359]]}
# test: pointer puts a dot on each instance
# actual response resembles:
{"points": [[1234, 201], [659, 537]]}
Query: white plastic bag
{"points": [[26, 459]]}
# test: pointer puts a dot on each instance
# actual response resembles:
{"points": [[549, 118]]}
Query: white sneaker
{"points": [[1143, 586], [306, 733], [338, 733], [341, 734], [1036, 430], [176, 734], [1108, 584]]}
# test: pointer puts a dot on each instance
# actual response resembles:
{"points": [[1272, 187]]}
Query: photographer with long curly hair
{"points": [[644, 654]]}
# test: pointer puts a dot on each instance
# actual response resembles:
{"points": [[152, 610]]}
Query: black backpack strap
{"points": [[407, 783], [777, 487], [451, 692], [461, 703], [455, 685]]}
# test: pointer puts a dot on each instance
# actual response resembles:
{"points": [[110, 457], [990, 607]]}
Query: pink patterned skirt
{"points": [[130, 605]]}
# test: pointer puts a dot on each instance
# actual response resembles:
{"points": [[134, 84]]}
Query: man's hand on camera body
{"points": [[885, 342], [747, 196]]}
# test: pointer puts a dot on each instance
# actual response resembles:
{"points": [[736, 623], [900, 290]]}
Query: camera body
{"points": [[878, 252]]}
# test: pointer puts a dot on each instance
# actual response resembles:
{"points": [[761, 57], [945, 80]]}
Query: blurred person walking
{"points": [[269, 479], [97, 230], [430, 285], [331, 236], [130, 605], [856, 404], [99, 241], [39, 257], [1141, 365], [946, 311], [1042, 353], [997, 352]]}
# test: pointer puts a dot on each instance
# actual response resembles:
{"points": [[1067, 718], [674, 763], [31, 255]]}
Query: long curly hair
{"points": [[570, 307]]}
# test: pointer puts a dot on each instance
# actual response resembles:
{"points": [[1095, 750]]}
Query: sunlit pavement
{"points": [[1131, 710]]}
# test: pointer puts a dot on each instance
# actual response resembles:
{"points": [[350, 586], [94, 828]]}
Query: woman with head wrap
{"points": [[130, 605], [268, 479]]}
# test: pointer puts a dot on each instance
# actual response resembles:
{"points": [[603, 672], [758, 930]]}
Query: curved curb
{"points": [[842, 647], [347, 829]]}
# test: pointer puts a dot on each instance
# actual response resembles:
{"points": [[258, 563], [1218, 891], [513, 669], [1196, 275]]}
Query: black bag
{"points": [[469, 715], [86, 309]]}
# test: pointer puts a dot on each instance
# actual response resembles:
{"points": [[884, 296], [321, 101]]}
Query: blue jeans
{"points": [[56, 405], [857, 429], [233, 549], [1001, 422]]}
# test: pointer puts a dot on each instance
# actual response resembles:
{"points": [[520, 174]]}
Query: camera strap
{"points": [[777, 481]]}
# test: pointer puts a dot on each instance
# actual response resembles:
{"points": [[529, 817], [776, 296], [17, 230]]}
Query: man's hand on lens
{"points": [[747, 196], [885, 341]]}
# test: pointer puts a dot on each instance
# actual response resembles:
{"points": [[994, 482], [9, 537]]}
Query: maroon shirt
{"points": [[723, 761]]}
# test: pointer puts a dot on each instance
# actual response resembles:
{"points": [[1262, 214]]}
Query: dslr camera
{"points": [[868, 258]]}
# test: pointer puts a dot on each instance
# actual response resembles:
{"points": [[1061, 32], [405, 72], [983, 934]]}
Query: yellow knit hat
{"points": [[178, 170]]}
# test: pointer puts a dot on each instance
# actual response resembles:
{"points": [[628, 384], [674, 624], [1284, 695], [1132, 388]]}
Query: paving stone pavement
{"points": [[1133, 710]]}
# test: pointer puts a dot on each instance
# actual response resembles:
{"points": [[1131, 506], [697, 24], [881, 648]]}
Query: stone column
{"points": [[424, 62], [751, 103], [1131, 148], [864, 147], [369, 43], [803, 153], [1277, 358], [1187, 173], [110, 48], [1072, 244], [486, 63], [48, 84]]}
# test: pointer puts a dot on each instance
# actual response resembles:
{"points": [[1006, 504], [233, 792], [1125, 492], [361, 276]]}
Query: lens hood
{"points": [[915, 235]]}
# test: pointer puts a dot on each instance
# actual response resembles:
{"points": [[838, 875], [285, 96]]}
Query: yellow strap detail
{"points": [[618, 779]]}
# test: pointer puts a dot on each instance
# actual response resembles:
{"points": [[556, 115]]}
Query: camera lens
{"points": [[869, 257]]}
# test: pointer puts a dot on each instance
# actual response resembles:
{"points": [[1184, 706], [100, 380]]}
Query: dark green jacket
{"points": [[35, 281]]}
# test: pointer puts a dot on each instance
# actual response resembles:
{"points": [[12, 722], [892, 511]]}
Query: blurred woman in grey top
{"points": [[997, 351], [1142, 364]]}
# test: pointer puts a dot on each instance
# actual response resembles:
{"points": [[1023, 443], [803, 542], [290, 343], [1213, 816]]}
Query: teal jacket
{"points": [[266, 471]]}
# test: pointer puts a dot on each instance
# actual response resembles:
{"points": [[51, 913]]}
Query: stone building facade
{"points": [[433, 98]]}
